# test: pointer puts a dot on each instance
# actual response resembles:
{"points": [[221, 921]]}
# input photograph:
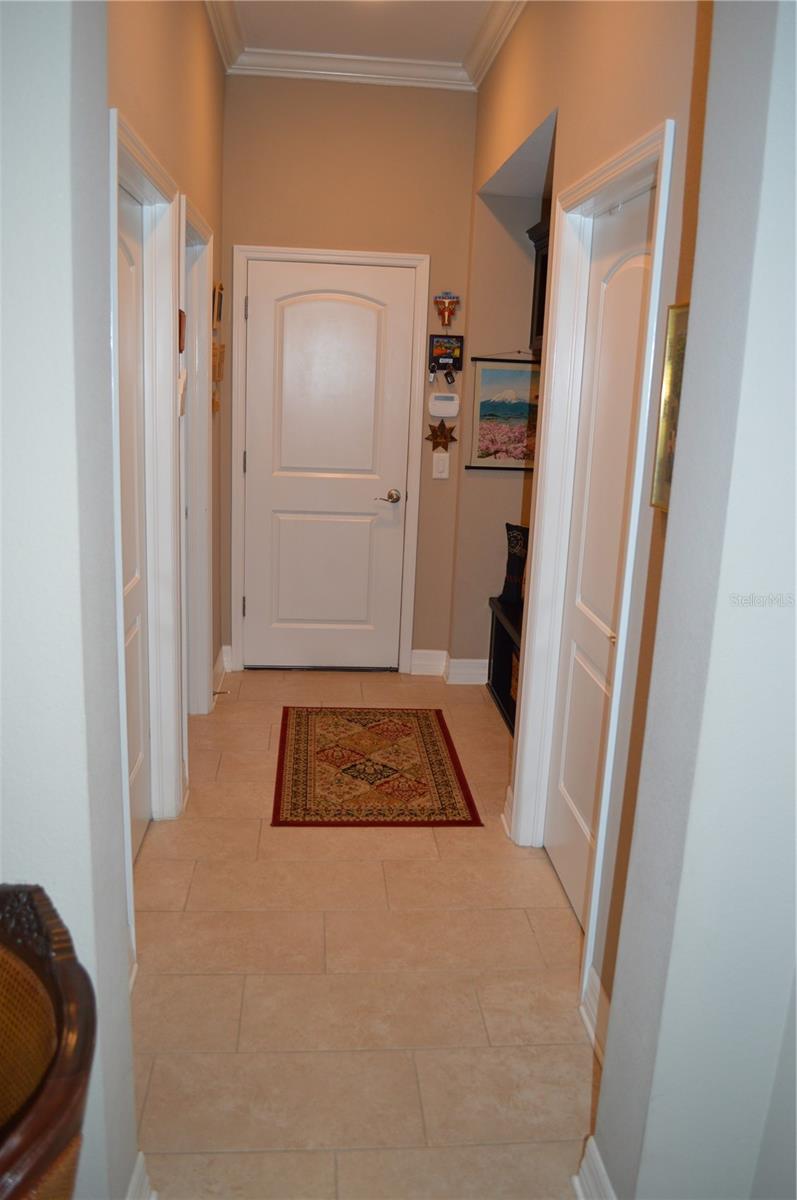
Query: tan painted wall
{"points": [[356, 167], [499, 316], [166, 77]]}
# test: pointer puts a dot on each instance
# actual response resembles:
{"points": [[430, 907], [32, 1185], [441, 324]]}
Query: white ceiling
{"points": [[421, 43]]}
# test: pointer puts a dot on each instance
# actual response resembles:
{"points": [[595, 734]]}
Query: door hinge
{"points": [[244, 462], [243, 607], [246, 308]]}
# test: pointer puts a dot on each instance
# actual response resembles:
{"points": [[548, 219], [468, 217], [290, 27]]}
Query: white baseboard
{"points": [[594, 1012], [592, 1181], [506, 815], [138, 1188], [226, 657], [428, 662], [466, 670], [218, 670]]}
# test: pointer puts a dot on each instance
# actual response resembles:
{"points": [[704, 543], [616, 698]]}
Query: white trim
{"points": [[161, 239], [218, 670], [131, 980], [508, 809], [226, 657], [647, 163], [140, 173], [113, 200], [242, 256], [139, 1186], [428, 662], [198, 231], [353, 68], [592, 1181], [240, 59], [199, 463], [466, 670], [226, 28], [594, 1011], [506, 814], [496, 28]]}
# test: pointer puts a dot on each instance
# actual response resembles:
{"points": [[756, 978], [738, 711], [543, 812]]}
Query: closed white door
{"points": [[134, 537], [328, 364], [618, 294]]}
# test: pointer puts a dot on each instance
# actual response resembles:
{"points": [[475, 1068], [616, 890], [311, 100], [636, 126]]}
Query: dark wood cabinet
{"points": [[504, 663]]}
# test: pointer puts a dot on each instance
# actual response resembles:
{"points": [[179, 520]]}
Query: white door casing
{"points": [[613, 357], [646, 164], [133, 510], [327, 404], [199, 455], [135, 169]]}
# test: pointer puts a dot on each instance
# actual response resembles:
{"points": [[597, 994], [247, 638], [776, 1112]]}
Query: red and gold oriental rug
{"points": [[369, 766]]}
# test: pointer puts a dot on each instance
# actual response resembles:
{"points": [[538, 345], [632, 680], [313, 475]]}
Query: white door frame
{"points": [[136, 169], [646, 164], [242, 256], [199, 460]]}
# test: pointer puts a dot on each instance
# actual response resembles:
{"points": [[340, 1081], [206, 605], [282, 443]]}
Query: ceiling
{"points": [[415, 43]]}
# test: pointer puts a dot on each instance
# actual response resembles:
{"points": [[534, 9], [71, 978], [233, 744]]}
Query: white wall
{"points": [[61, 770], [706, 958]]}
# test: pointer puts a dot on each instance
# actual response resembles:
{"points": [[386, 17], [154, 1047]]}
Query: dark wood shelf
{"points": [[504, 662]]}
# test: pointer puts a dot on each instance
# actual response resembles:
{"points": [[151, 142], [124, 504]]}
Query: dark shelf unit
{"points": [[504, 662], [538, 235]]}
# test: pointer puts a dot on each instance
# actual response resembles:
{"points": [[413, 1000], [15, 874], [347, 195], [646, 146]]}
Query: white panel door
{"points": [[328, 364], [618, 293], [134, 538]]}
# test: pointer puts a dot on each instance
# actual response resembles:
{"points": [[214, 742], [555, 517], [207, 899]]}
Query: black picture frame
{"points": [[446, 351]]}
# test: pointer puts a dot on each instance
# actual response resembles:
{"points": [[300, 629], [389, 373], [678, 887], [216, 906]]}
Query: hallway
{"points": [[352, 1012]]}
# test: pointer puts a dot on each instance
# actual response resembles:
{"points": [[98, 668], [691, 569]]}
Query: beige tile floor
{"points": [[353, 1013]]}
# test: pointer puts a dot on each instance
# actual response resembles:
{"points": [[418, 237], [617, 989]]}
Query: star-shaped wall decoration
{"points": [[440, 435]]}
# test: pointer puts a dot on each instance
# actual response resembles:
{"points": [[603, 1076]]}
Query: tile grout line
{"points": [[477, 998], [150, 1073], [240, 1016], [537, 941], [335, 1150], [420, 1097], [381, 1050], [190, 885]]}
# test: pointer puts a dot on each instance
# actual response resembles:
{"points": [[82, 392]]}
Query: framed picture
{"points": [[217, 304], [505, 402], [674, 351], [446, 350]]}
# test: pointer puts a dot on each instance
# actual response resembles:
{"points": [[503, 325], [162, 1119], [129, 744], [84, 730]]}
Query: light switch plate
{"points": [[440, 464]]}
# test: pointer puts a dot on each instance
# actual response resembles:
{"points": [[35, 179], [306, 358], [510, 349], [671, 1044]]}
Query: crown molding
{"points": [[223, 17], [240, 59], [402, 72], [498, 24]]}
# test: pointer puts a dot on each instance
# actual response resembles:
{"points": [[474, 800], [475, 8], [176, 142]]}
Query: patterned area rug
{"points": [[369, 766]]}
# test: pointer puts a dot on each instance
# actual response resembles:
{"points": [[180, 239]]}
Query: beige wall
{"points": [[166, 78], [499, 316], [356, 167]]}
